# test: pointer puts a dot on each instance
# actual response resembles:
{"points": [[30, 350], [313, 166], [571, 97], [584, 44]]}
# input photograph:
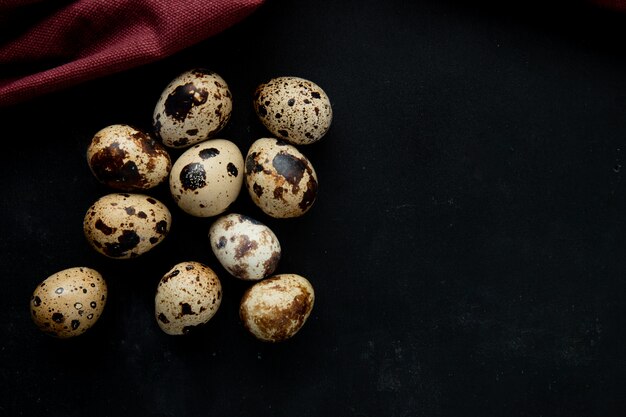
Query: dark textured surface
{"points": [[467, 245]]}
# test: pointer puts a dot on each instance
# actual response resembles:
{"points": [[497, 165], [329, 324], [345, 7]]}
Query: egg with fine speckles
{"points": [[125, 226], [207, 177], [193, 107], [125, 158], [187, 296], [293, 109], [280, 179], [275, 309], [245, 247], [69, 302]]}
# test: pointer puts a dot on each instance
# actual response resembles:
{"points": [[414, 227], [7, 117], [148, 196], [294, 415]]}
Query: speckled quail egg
{"points": [[293, 109], [192, 108], [245, 247], [126, 225], [280, 180], [187, 296], [276, 308], [128, 159], [207, 178], [69, 302]]}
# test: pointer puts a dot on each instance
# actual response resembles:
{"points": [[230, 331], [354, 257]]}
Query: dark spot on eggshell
{"points": [[239, 271], [281, 143], [262, 110], [290, 167], [270, 265], [36, 301], [185, 309], [90, 316], [245, 246], [188, 329], [163, 319], [291, 102], [110, 168], [192, 132], [283, 133], [208, 153], [130, 210], [193, 176], [75, 324], [59, 290], [180, 142], [278, 193], [309, 195], [252, 166], [142, 215], [189, 267], [93, 304], [232, 169], [151, 200], [221, 243], [184, 97], [315, 94], [153, 240], [106, 230], [170, 275], [309, 135], [161, 227], [306, 101], [58, 318], [125, 242], [258, 190]]}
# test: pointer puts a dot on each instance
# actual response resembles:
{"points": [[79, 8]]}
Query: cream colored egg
{"points": [[207, 178], [294, 109], [193, 107], [187, 296], [128, 159], [275, 309], [69, 302], [126, 225], [280, 179], [245, 247]]}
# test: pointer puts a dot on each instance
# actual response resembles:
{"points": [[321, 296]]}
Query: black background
{"points": [[467, 245]]}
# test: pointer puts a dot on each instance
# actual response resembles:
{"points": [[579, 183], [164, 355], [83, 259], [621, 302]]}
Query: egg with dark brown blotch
{"points": [[245, 247], [125, 158], [69, 302], [193, 107], [280, 179], [125, 226], [187, 296], [293, 109], [275, 309], [207, 177]]}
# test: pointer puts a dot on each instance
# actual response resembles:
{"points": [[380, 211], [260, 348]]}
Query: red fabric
{"points": [[79, 40]]}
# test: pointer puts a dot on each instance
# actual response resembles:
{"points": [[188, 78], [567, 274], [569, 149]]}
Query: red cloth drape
{"points": [[73, 41]]}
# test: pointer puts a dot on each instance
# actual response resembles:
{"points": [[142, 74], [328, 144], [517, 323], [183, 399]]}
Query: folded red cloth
{"points": [[613, 4], [74, 41]]}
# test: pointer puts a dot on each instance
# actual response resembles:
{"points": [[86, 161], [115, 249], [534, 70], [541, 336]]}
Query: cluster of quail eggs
{"points": [[203, 181]]}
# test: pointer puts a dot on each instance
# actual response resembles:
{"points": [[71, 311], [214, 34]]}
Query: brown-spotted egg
{"points": [[193, 107], [69, 302], [245, 247], [207, 177], [187, 296], [275, 309], [280, 179], [126, 225], [293, 109], [125, 158]]}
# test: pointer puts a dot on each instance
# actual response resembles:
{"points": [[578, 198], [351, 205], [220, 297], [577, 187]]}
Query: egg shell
{"points": [[280, 179], [293, 109], [69, 302], [125, 158], [125, 226], [193, 107], [207, 178], [245, 247], [275, 309], [187, 296]]}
